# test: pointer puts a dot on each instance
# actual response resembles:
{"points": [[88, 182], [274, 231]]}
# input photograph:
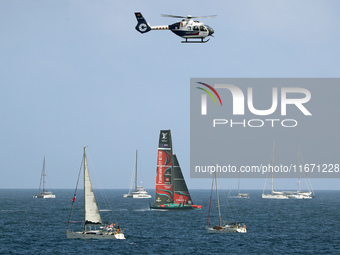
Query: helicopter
{"points": [[187, 28]]}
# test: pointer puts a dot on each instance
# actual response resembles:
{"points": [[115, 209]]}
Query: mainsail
{"points": [[164, 189], [42, 178], [92, 215]]}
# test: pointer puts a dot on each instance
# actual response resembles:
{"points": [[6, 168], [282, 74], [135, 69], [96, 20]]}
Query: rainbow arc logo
{"points": [[204, 97]]}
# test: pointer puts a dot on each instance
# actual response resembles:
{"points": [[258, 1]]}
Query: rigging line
{"points": [[45, 174], [227, 207], [232, 184], [212, 187], [132, 179], [75, 192], [306, 177], [41, 176], [140, 172], [218, 202], [136, 177], [270, 162], [265, 181]]}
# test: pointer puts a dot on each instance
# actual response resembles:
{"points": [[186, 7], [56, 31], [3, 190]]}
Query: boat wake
{"points": [[12, 210], [141, 210]]}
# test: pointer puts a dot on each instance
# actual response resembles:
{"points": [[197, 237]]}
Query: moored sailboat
{"points": [[43, 193], [139, 191], [299, 194], [171, 190], [93, 225], [273, 194], [223, 226], [239, 194]]}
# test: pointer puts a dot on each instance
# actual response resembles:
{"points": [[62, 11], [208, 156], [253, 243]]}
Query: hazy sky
{"points": [[77, 73]]}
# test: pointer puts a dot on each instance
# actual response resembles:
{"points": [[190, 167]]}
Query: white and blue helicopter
{"points": [[187, 28]]}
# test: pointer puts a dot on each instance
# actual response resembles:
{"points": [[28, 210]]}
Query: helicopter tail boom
{"points": [[142, 26]]}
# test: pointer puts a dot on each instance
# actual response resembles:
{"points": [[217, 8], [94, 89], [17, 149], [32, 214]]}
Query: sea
{"points": [[38, 226]]}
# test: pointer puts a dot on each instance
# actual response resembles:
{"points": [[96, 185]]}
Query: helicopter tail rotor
{"points": [[142, 26]]}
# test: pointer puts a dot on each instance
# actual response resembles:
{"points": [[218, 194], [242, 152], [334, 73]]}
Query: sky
{"points": [[77, 73]]}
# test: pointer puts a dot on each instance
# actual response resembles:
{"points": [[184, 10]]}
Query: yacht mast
{"points": [[299, 183], [239, 177], [272, 184], [218, 202], [43, 174], [85, 163], [136, 171]]}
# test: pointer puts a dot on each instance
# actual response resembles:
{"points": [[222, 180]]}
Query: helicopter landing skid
{"points": [[186, 41]]}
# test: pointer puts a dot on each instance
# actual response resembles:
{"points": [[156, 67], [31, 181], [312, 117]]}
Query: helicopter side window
{"points": [[203, 28], [196, 28], [189, 28]]}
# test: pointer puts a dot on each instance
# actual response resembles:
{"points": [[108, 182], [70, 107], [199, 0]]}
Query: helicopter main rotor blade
{"points": [[207, 17], [188, 16], [172, 16]]}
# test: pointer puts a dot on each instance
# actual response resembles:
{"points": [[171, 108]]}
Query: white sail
{"points": [[92, 215]]}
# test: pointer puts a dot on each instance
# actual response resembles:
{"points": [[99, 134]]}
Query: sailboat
{"points": [[93, 225], [239, 194], [273, 194], [43, 193], [139, 191], [171, 190], [299, 194], [223, 226]]}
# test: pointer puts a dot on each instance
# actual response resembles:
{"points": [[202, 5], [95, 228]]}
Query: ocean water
{"points": [[37, 226]]}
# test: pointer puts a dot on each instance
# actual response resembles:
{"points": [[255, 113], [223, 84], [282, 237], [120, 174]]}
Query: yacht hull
{"points": [[138, 195], [227, 229], [300, 196], [94, 235], [44, 196], [270, 196], [175, 207]]}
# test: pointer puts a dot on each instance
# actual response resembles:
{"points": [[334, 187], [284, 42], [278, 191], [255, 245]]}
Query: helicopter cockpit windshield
{"points": [[211, 31], [203, 28]]}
